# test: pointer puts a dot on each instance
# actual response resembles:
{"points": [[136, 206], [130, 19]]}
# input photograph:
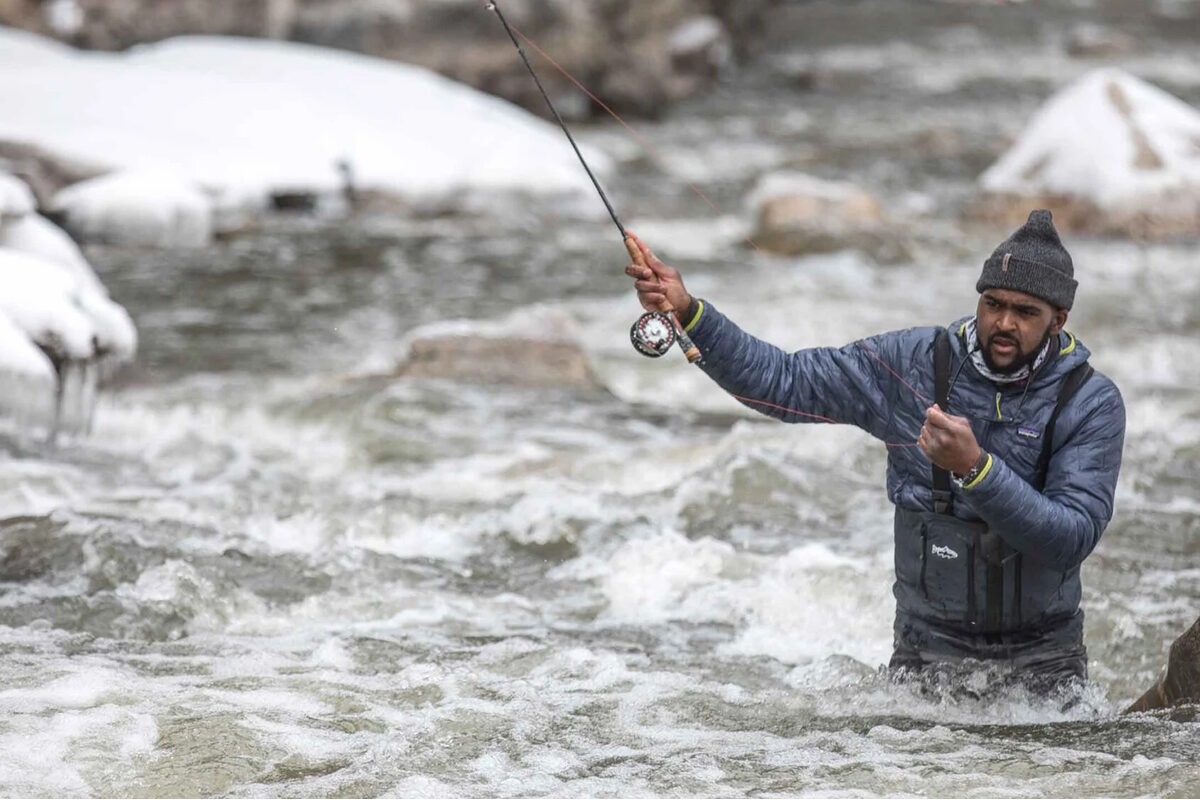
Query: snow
{"points": [[16, 200], [138, 207], [243, 117], [1109, 138]]}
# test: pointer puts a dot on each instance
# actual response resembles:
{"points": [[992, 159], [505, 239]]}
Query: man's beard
{"points": [[1020, 361]]}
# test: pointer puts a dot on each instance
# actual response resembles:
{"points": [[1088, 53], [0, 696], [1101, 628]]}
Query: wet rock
{"points": [[1180, 682], [1133, 170], [534, 347], [510, 360], [798, 214], [1095, 41]]}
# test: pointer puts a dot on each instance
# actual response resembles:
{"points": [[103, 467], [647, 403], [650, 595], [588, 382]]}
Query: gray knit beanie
{"points": [[1032, 260]]}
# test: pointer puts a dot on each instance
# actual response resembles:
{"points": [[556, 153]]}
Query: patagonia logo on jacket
{"points": [[1029, 433], [941, 551]]}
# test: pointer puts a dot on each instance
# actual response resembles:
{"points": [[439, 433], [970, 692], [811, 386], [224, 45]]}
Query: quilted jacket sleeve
{"points": [[852, 384], [1063, 525]]}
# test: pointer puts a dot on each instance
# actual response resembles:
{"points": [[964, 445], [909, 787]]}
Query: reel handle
{"points": [[690, 351]]}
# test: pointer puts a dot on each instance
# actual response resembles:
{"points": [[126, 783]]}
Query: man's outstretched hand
{"points": [[659, 287], [949, 441]]}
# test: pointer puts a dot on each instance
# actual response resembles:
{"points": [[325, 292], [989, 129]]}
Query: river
{"points": [[271, 572]]}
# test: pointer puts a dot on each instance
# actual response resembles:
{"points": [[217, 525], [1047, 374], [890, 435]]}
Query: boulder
{"points": [[534, 348], [1180, 681], [1109, 154], [799, 214]]}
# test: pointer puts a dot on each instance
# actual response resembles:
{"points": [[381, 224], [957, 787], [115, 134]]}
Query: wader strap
{"points": [[943, 499], [1071, 384]]}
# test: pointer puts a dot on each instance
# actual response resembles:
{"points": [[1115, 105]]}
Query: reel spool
{"points": [[653, 334]]}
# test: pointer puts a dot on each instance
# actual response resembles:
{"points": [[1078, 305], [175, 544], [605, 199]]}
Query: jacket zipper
{"points": [[999, 416]]}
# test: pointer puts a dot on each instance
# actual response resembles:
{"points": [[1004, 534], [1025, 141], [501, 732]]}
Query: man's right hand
{"points": [[659, 287]]}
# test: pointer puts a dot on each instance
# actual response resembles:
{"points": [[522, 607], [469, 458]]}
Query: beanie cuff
{"points": [[1006, 271]]}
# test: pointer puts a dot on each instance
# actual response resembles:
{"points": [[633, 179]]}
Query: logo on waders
{"points": [[941, 551]]}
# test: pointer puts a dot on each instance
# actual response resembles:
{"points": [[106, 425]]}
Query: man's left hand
{"points": [[949, 441]]}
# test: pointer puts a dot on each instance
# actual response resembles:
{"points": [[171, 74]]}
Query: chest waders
{"points": [[991, 581]]}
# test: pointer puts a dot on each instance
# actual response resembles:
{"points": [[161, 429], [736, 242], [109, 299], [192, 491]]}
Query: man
{"points": [[1012, 481]]}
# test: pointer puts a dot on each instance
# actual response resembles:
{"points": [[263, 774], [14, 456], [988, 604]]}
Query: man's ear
{"points": [[1059, 321]]}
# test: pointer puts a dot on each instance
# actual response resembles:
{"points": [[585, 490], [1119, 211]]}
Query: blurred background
{"points": [[326, 467]]}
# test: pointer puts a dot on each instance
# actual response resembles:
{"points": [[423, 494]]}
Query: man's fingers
{"points": [[648, 286], [939, 419], [634, 271], [652, 260], [651, 301]]}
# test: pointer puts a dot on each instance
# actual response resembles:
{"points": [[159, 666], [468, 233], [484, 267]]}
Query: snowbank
{"points": [[1107, 152], [243, 118]]}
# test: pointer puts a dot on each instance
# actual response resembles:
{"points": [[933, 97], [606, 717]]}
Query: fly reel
{"points": [[653, 334]]}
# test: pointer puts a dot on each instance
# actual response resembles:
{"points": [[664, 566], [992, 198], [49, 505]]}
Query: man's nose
{"points": [[1007, 321]]}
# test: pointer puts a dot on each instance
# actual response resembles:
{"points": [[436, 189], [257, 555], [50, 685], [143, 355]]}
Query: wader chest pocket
{"points": [[948, 554]]}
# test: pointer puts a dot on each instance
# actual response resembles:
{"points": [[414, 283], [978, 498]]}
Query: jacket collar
{"points": [[1069, 354]]}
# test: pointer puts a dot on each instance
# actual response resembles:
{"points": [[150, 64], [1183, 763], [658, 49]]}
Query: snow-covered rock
{"points": [[701, 44], [16, 200], [58, 326], [43, 300], [137, 207], [113, 329], [1110, 153], [243, 118]]}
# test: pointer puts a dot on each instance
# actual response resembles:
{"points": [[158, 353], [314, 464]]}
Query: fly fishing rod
{"points": [[655, 331]]}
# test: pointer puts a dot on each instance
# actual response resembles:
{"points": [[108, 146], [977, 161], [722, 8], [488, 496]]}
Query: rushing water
{"points": [[272, 572]]}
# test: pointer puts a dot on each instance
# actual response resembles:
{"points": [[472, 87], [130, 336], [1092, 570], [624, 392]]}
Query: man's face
{"points": [[1013, 326]]}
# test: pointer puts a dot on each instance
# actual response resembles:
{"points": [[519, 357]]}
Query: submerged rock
{"points": [[1110, 154]]}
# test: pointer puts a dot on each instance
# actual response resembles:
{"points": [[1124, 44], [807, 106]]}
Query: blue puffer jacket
{"points": [[863, 384]]}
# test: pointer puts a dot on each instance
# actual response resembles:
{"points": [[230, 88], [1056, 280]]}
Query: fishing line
{"points": [[655, 332]]}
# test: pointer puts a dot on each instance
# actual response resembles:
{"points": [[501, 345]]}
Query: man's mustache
{"points": [[1003, 337]]}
